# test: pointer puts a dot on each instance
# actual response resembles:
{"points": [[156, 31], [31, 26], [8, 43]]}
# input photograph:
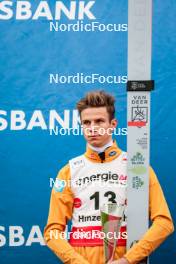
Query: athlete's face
{"points": [[97, 127]]}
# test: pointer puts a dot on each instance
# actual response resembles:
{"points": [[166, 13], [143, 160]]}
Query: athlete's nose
{"points": [[94, 127]]}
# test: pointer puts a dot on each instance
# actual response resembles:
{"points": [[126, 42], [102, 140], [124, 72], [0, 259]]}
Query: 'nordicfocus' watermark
{"points": [[88, 131], [81, 78], [81, 234]]}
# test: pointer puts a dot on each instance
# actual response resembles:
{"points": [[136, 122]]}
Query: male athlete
{"points": [[92, 179]]}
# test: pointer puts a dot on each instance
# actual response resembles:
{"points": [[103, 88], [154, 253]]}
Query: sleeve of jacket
{"points": [[60, 211], [162, 225]]}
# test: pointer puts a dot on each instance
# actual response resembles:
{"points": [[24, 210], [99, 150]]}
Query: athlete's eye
{"points": [[99, 121], [86, 122]]}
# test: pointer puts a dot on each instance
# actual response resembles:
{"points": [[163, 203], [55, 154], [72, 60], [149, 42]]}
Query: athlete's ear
{"points": [[114, 122]]}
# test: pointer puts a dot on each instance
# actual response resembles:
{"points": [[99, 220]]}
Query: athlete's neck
{"points": [[101, 149]]}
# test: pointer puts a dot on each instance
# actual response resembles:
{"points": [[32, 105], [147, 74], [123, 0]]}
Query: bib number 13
{"points": [[110, 195]]}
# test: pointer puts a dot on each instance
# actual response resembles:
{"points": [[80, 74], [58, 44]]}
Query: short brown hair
{"points": [[98, 99]]}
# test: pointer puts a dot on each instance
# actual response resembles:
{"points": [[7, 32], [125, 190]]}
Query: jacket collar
{"points": [[110, 154]]}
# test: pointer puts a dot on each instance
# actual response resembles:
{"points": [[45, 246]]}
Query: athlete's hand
{"points": [[119, 261]]}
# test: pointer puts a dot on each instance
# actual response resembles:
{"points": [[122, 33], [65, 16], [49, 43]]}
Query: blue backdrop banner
{"points": [[51, 54]]}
